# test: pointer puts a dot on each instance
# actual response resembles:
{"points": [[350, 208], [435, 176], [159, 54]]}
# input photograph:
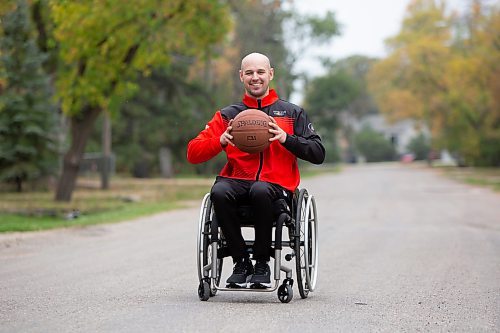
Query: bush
{"points": [[420, 147], [374, 146]]}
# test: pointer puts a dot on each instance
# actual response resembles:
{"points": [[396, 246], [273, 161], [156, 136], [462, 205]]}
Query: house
{"points": [[399, 133]]}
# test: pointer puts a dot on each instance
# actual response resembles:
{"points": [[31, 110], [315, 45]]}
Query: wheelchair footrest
{"points": [[259, 286], [235, 286]]}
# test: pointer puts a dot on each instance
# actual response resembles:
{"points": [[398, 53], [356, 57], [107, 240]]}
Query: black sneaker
{"points": [[242, 271], [262, 275]]}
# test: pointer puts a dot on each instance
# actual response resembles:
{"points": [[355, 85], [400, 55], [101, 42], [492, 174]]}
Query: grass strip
{"points": [[128, 198], [12, 222], [484, 177]]}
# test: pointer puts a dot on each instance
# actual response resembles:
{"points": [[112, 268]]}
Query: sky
{"points": [[365, 24]]}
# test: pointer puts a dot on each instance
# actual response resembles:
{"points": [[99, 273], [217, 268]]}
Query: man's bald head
{"points": [[255, 58]]}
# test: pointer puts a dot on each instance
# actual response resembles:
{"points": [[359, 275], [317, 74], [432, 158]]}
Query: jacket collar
{"points": [[266, 101]]}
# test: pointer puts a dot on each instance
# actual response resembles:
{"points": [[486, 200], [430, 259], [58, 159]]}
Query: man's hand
{"points": [[227, 138], [279, 134]]}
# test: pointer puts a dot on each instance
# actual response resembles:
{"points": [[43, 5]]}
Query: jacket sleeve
{"points": [[305, 143], [206, 144]]}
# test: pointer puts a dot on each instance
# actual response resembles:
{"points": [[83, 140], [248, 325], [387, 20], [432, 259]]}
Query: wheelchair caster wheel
{"points": [[285, 293], [204, 291]]}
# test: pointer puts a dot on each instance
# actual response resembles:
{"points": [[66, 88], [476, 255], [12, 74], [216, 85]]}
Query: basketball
{"points": [[251, 131]]}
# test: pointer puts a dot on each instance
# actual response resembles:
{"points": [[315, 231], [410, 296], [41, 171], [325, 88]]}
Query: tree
{"points": [[185, 95], [472, 127], [104, 45], [161, 118], [420, 146], [357, 68], [327, 97], [344, 100], [406, 82], [443, 71], [27, 117]]}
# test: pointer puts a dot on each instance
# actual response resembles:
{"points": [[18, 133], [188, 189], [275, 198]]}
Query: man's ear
{"points": [[271, 73], [241, 76]]}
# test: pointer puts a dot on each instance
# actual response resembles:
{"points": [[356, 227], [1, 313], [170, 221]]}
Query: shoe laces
{"points": [[261, 268]]}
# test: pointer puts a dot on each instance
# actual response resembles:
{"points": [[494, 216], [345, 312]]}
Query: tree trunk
{"points": [[106, 152], [166, 165], [81, 128], [19, 184]]}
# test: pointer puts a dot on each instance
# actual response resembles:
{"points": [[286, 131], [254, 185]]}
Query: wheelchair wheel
{"points": [[204, 291], [285, 293], [306, 244], [205, 248]]}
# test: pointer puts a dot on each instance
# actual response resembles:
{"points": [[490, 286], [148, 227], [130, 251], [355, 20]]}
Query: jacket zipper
{"points": [[261, 154]]}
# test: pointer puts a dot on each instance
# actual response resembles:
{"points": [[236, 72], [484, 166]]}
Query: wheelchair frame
{"points": [[302, 224]]}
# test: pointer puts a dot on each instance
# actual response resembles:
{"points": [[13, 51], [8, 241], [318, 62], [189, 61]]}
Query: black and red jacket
{"points": [[278, 163]]}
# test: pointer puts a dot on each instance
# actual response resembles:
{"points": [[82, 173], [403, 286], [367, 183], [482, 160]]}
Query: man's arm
{"points": [[310, 149], [305, 143], [208, 142]]}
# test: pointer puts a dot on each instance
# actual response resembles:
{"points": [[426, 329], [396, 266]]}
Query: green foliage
{"points": [[443, 70], [105, 44], [357, 68], [322, 29], [343, 89], [328, 96], [374, 146], [310, 30], [341, 94], [27, 117], [420, 146], [303, 33], [143, 61], [333, 153], [489, 154], [166, 113], [184, 96]]}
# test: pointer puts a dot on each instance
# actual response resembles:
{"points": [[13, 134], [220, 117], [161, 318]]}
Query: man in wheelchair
{"points": [[259, 179]]}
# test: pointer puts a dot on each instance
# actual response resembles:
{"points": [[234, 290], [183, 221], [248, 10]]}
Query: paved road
{"points": [[401, 250]]}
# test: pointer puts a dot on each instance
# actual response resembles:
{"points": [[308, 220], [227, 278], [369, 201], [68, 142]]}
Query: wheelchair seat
{"points": [[245, 212]]}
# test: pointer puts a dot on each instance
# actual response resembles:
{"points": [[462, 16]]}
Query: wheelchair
{"points": [[299, 217]]}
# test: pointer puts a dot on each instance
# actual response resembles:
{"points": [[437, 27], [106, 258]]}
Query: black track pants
{"points": [[227, 193]]}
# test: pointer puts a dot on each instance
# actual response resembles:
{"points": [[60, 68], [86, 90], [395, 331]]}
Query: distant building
{"points": [[399, 133]]}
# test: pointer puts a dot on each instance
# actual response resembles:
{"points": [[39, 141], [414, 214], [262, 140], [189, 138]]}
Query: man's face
{"points": [[256, 74]]}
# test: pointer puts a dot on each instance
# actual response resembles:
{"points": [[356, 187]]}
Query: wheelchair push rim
{"points": [[201, 230], [204, 248], [306, 244]]}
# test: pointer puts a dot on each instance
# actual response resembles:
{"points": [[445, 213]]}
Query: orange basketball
{"points": [[251, 131]]}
